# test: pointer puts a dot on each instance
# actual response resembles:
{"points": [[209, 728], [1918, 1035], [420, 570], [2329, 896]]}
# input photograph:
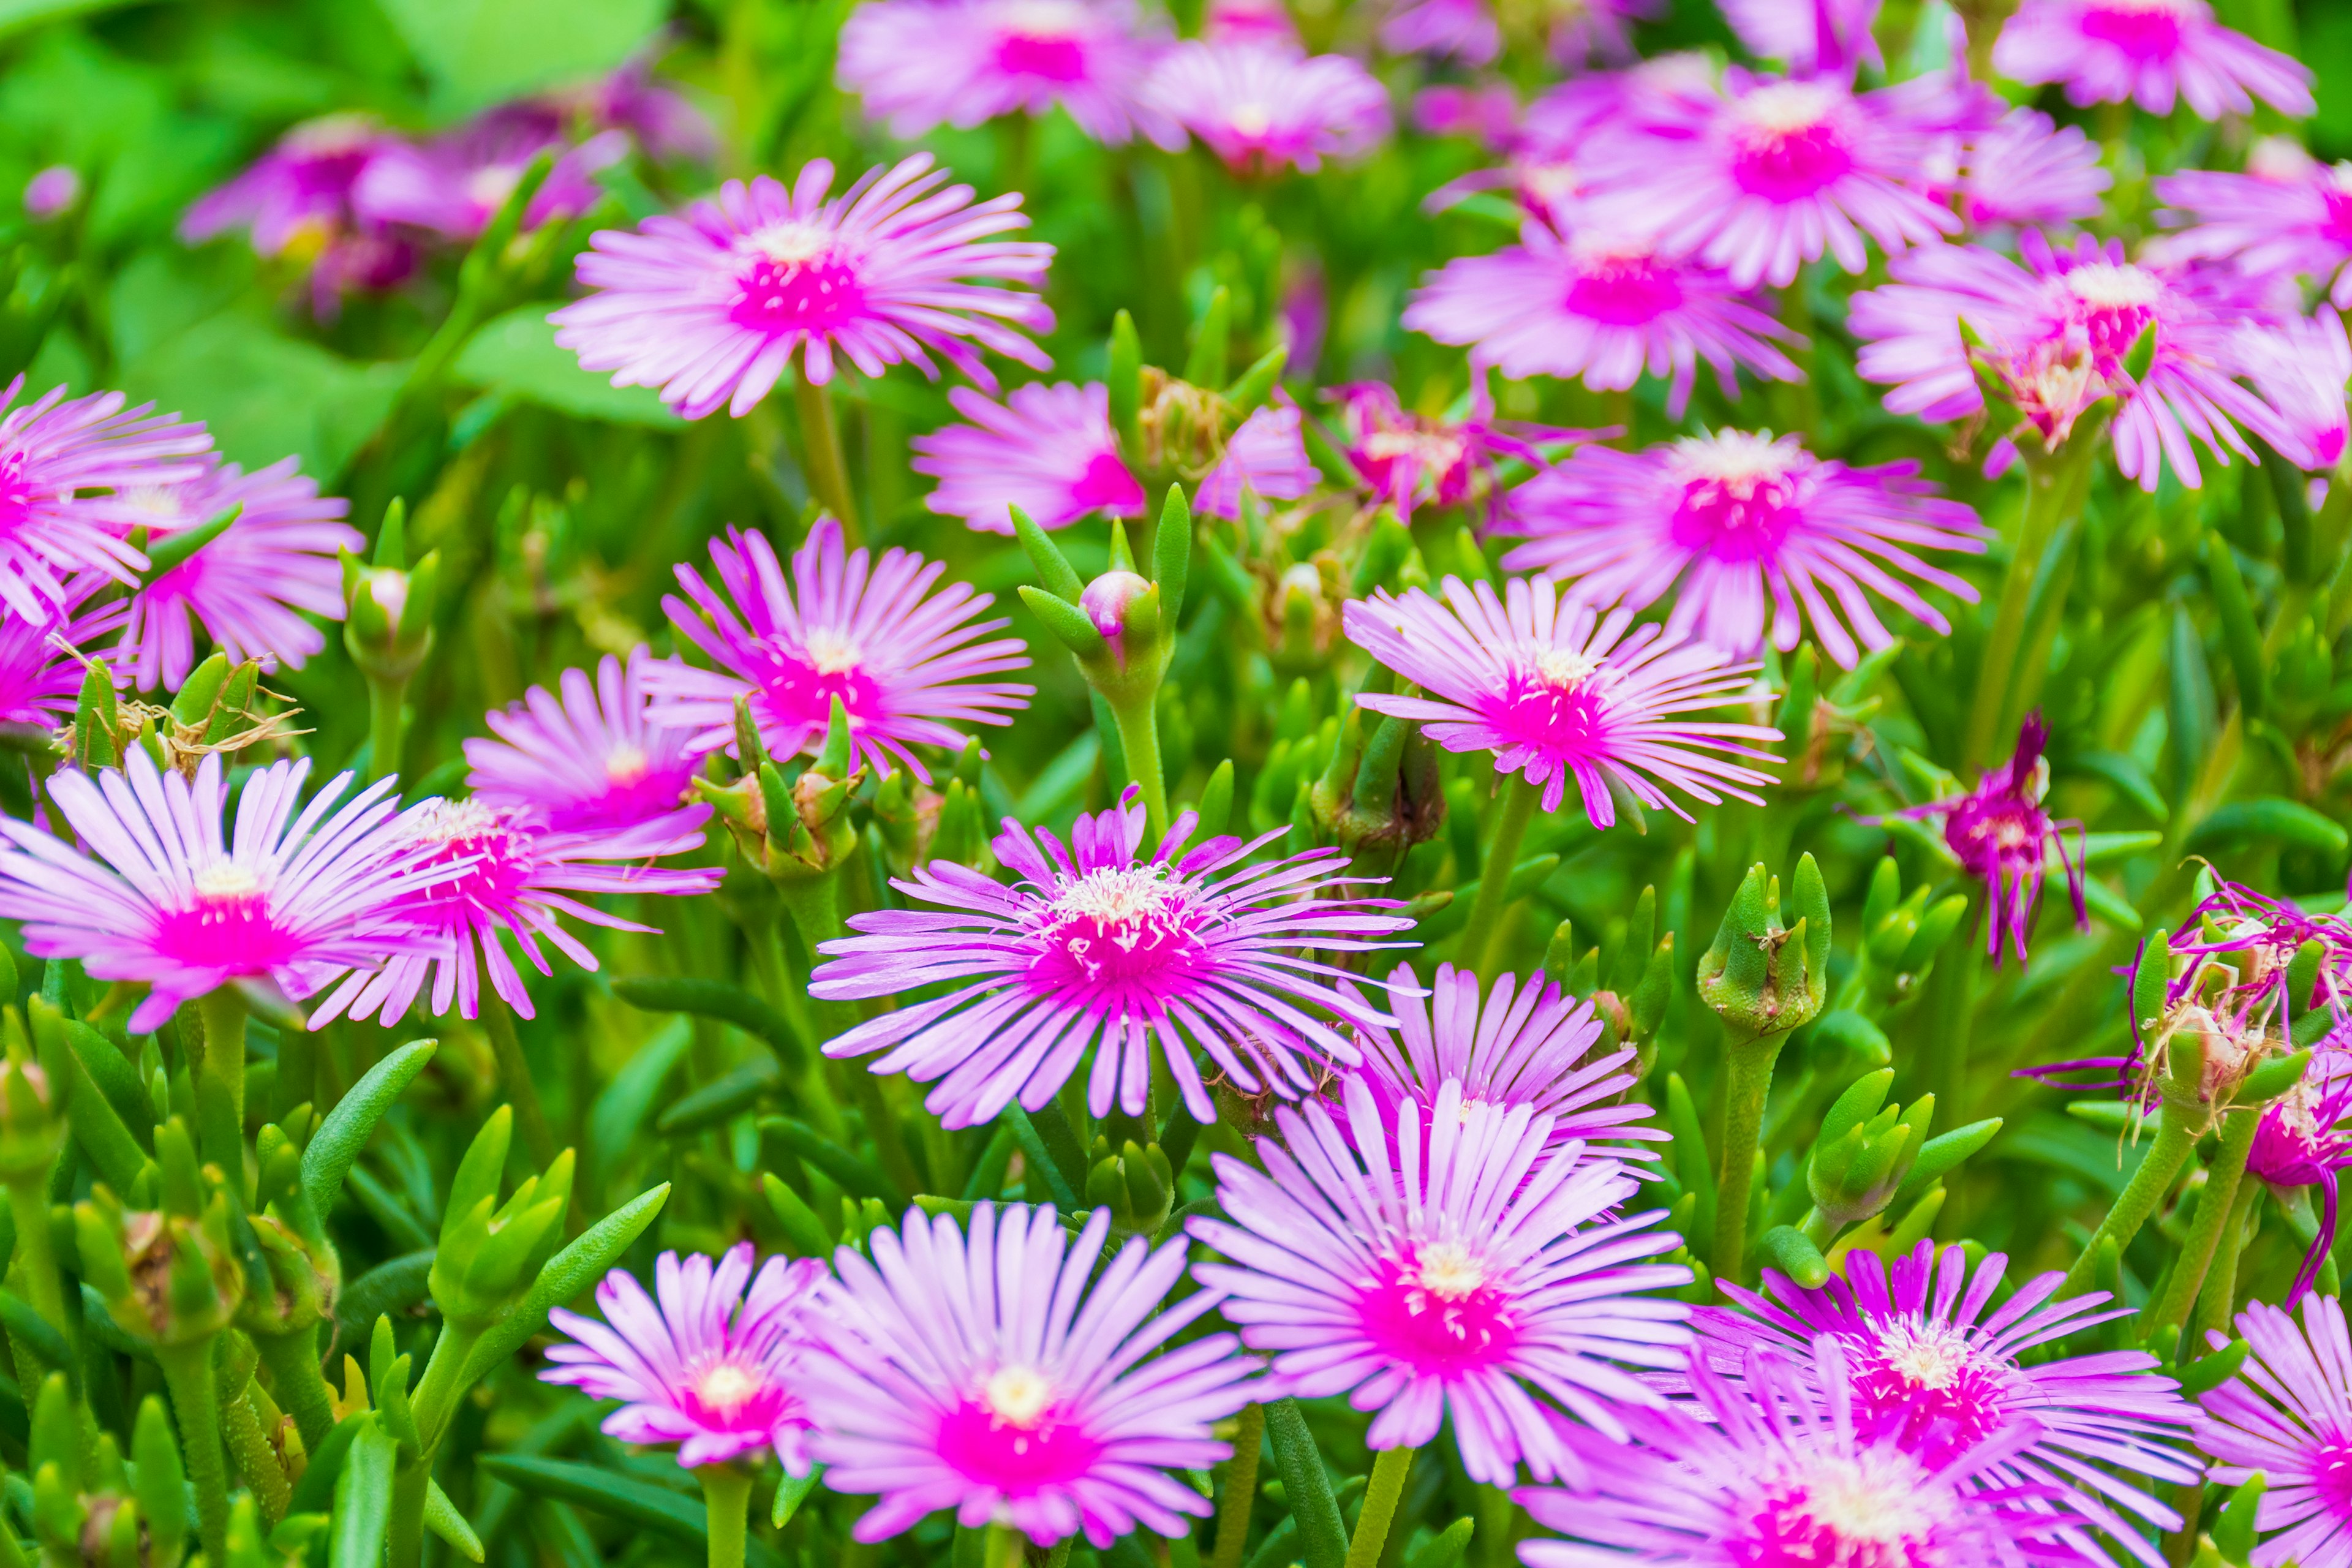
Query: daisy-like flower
{"points": [[455, 185], [2285, 1415], [2305, 1140], [2001, 834], [1600, 308], [1096, 946], [1560, 691], [1778, 1470], [1266, 457], [250, 587], [1933, 1366], [592, 761], [1263, 107], [1483, 1268], [921, 64], [712, 307], [2027, 169], [2288, 214], [904, 662], [698, 1363], [1742, 522], [984, 1374], [2106, 52], [296, 894], [1580, 32], [1048, 450], [41, 662], [2301, 367], [1408, 459], [295, 202], [2054, 334], [1791, 31]]}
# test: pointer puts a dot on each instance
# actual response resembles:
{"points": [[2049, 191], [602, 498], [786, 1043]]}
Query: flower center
{"points": [[1250, 120], [797, 279], [1120, 926], [2336, 194], [228, 926], [1016, 1437], [1926, 1382], [1868, 1511], [498, 863], [1741, 494], [1998, 832], [1789, 140], [1625, 291], [2331, 1475], [1038, 48], [802, 679], [2144, 29], [1439, 1310], [2113, 303], [1107, 485], [728, 1395], [626, 765], [1551, 704]]}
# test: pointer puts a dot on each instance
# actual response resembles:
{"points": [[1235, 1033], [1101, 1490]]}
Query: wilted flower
{"points": [[1409, 459], [1048, 450], [2106, 52], [2305, 1140], [1999, 832], [456, 185], [924, 63], [594, 761], [1263, 106]]}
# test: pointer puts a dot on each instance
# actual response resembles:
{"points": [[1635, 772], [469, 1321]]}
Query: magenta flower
{"points": [[1558, 691], [2284, 1415], [1485, 1275], [1489, 115], [1409, 459], [1999, 833], [1935, 1368], [904, 665], [157, 893], [1266, 457], [2055, 333], [2293, 216], [1742, 521], [1097, 947], [712, 307], [2305, 1140], [1600, 308], [593, 762], [1048, 450], [455, 185], [1791, 31], [2301, 368], [41, 667], [1464, 30], [921, 64], [2027, 169], [662, 119], [986, 1374], [250, 587], [1263, 107], [1248, 21], [2106, 52], [296, 201], [1777, 1469], [54, 191], [700, 1363]]}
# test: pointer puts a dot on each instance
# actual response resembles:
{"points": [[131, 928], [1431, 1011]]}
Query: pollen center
{"points": [[228, 926], [1120, 925], [1927, 1385], [1871, 1510], [1789, 140], [795, 277], [1016, 1437], [1439, 1309], [1741, 494]]}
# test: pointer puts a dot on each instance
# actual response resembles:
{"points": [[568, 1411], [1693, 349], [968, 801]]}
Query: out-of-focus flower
{"points": [[985, 1374], [714, 306], [2301, 367], [2283, 1416], [1486, 114], [1791, 31], [2027, 169], [248, 587], [456, 185], [2106, 52], [1602, 308], [700, 1363], [1483, 1263], [1048, 450], [1265, 107], [924, 63], [631, 99], [1408, 459], [53, 192], [1558, 692], [1099, 945], [903, 661], [1744, 528], [296, 201], [2305, 1140], [1248, 21], [41, 668], [1999, 833], [2288, 215], [1266, 457], [593, 762], [1464, 29]]}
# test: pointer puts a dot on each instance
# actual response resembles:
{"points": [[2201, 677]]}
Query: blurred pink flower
{"points": [[921, 64], [2292, 219], [1266, 457], [456, 185], [1265, 107], [2106, 52], [296, 201], [1046, 449]]}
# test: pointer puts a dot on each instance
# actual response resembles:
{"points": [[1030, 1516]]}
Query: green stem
{"points": [[514, 1074], [2214, 1209], [412, 1483], [1520, 799], [220, 1083], [297, 1383], [2215, 1306], [1240, 1488], [828, 476], [386, 698], [257, 1460], [1390, 1469], [1059, 1556], [188, 1374], [1747, 1086], [1138, 743], [1004, 1548], [436, 1399], [727, 1506], [2140, 1195], [1946, 1010]]}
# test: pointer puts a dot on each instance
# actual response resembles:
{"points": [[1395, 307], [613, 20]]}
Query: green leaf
{"points": [[35, 1332], [479, 52], [791, 1493], [390, 1287], [565, 1276], [848, 1172], [1446, 1548], [362, 1497], [441, 1516], [621, 1496], [1788, 1249], [622, 1105], [516, 353], [1942, 1154], [1306, 1485], [723, 1099], [716, 999], [263, 396], [2272, 817], [91, 1110], [328, 1158]]}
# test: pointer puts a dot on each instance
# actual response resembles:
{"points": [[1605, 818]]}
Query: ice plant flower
{"points": [[1048, 450], [53, 193], [2027, 169], [2292, 217], [455, 185], [906, 663], [41, 667], [1409, 459], [2284, 1414], [593, 760], [983, 1373], [698, 1363], [1099, 946], [2106, 52], [295, 202], [2305, 1140], [296, 894], [1603, 308], [712, 307], [1486, 1274], [2000, 834], [921, 64], [1738, 525], [1263, 106], [1560, 691], [2301, 367], [1791, 31], [1777, 1469], [250, 587], [1266, 457]]}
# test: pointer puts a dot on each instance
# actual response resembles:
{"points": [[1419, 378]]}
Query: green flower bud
{"points": [[491, 1252], [1135, 1183], [32, 1131], [1865, 1150], [167, 1278], [388, 607], [1761, 977]]}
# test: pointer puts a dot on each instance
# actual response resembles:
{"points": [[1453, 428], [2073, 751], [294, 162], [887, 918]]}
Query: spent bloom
{"points": [[1099, 946], [2001, 834], [903, 661], [2285, 1415], [713, 305], [2305, 1140], [296, 894], [700, 1363], [1266, 457], [1263, 107], [1409, 459], [1744, 529], [1047, 449], [41, 668], [1560, 692], [2148, 51], [985, 1374], [593, 760], [1485, 1274], [2288, 214], [921, 64]]}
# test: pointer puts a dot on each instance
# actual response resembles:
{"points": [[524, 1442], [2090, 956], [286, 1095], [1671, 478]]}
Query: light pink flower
{"points": [[2293, 217], [455, 185], [1789, 31], [2106, 52], [296, 201], [41, 662], [1263, 107], [1266, 457], [1048, 450], [2301, 367], [594, 761], [924, 63], [2029, 169]]}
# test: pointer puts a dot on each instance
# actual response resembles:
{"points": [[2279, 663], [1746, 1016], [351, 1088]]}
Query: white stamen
{"points": [[226, 879], [2110, 285], [1017, 1395]]}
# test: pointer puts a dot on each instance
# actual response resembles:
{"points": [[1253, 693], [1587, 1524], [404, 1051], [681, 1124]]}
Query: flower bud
{"points": [[1135, 1183], [52, 193], [1761, 977], [167, 1278], [31, 1130], [489, 1252], [1107, 601], [1380, 788], [1865, 1150], [388, 607]]}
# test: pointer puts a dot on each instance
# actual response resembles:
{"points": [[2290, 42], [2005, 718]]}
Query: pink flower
{"points": [[2028, 170], [712, 307], [1409, 459], [1464, 30], [1266, 457], [1557, 691], [1048, 450], [1248, 21], [1000, 1375], [593, 762], [2301, 367], [924, 63], [2284, 1414], [2109, 50], [2296, 220], [250, 587], [53, 192], [296, 200], [1999, 833], [707, 1368], [1485, 1274], [1729, 520], [1261, 106], [1602, 308], [2305, 1140], [41, 667], [1789, 31], [904, 665], [453, 187], [1485, 114]]}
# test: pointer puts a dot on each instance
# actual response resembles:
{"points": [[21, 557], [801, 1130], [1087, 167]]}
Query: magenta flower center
{"points": [[1869, 1510], [1126, 926], [1624, 291], [1550, 702], [1016, 1437], [229, 926], [1740, 496], [18, 496], [1439, 1310], [2112, 303], [2331, 1475], [1927, 1383], [2144, 29], [634, 790], [498, 863], [725, 1393], [801, 683], [1107, 485], [1048, 55], [1997, 830], [1789, 140], [798, 281]]}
